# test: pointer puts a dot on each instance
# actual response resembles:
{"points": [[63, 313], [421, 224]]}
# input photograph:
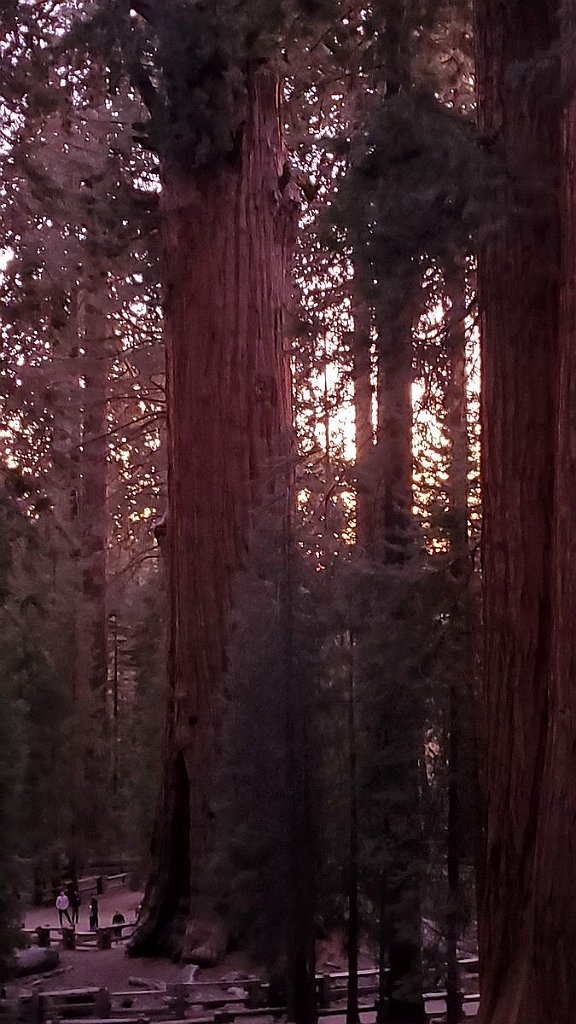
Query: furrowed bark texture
{"points": [[228, 232], [555, 882], [519, 277]]}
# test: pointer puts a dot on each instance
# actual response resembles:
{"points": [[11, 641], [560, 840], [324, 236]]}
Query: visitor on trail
{"points": [[118, 919], [93, 917], [75, 901], [62, 904]]}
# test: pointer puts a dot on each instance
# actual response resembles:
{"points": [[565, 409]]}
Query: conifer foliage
{"points": [[240, 490]]}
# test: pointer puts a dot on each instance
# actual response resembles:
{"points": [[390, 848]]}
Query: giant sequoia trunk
{"points": [[528, 769], [550, 989], [227, 233]]}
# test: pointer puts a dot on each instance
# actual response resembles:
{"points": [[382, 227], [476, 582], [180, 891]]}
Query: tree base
{"points": [[200, 941], [206, 942]]}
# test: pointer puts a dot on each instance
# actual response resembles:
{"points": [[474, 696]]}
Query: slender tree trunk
{"points": [[457, 412], [227, 234], [457, 432], [93, 504], [363, 425], [66, 484], [394, 543], [301, 944], [519, 274], [353, 934], [97, 812], [394, 528], [383, 946]]}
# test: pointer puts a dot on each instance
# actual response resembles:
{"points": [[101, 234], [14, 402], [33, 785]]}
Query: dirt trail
{"points": [[112, 969]]}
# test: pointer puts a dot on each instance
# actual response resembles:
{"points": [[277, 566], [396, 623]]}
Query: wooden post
{"points": [[324, 992], [34, 1008], [179, 999], [223, 1017], [104, 938], [102, 1002], [68, 938], [254, 990], [43, 933]]}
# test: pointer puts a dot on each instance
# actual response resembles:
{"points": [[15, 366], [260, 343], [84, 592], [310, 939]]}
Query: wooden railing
{"points": [[90, 885], [188, 1001], [71, 938]]}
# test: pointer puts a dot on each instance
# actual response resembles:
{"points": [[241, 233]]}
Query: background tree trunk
{"points": [[457, 432], [227, 233], [402, 885], [353, 926], [394, 527], [93, 503], [518, 285], [363, 425]]}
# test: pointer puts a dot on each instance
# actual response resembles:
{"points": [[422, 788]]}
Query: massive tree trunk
{"points": [[551, 991], [227, 235], [519, 276]]}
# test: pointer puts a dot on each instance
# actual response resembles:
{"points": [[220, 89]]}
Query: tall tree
{"points": [[457, 433], [528, 714], [228, 222]]}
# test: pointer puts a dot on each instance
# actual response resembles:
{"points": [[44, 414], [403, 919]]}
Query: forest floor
{"points": [[112, 969]]}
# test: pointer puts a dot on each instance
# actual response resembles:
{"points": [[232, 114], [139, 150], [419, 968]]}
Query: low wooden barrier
{"points": [[71, 938], [90, 885], [185, 1001]]}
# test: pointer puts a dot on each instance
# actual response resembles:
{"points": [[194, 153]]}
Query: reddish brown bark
{"points": [[93, 504], [518, 280], [551, 992], [363, 425], [227, 235]]}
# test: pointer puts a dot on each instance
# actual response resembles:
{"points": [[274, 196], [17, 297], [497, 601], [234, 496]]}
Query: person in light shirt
{"points": [[62, 904]]}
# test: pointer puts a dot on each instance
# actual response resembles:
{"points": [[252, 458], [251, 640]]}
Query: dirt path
{"points": [[112, 969]]}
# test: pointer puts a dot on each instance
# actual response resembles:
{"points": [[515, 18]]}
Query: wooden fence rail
{"points": [[71, 938], [185, 1001], [90, 885]]}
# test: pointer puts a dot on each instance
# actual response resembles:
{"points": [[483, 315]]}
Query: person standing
{"points": [[118, 920], [62, 905], [93, 916], [75, 901]]}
